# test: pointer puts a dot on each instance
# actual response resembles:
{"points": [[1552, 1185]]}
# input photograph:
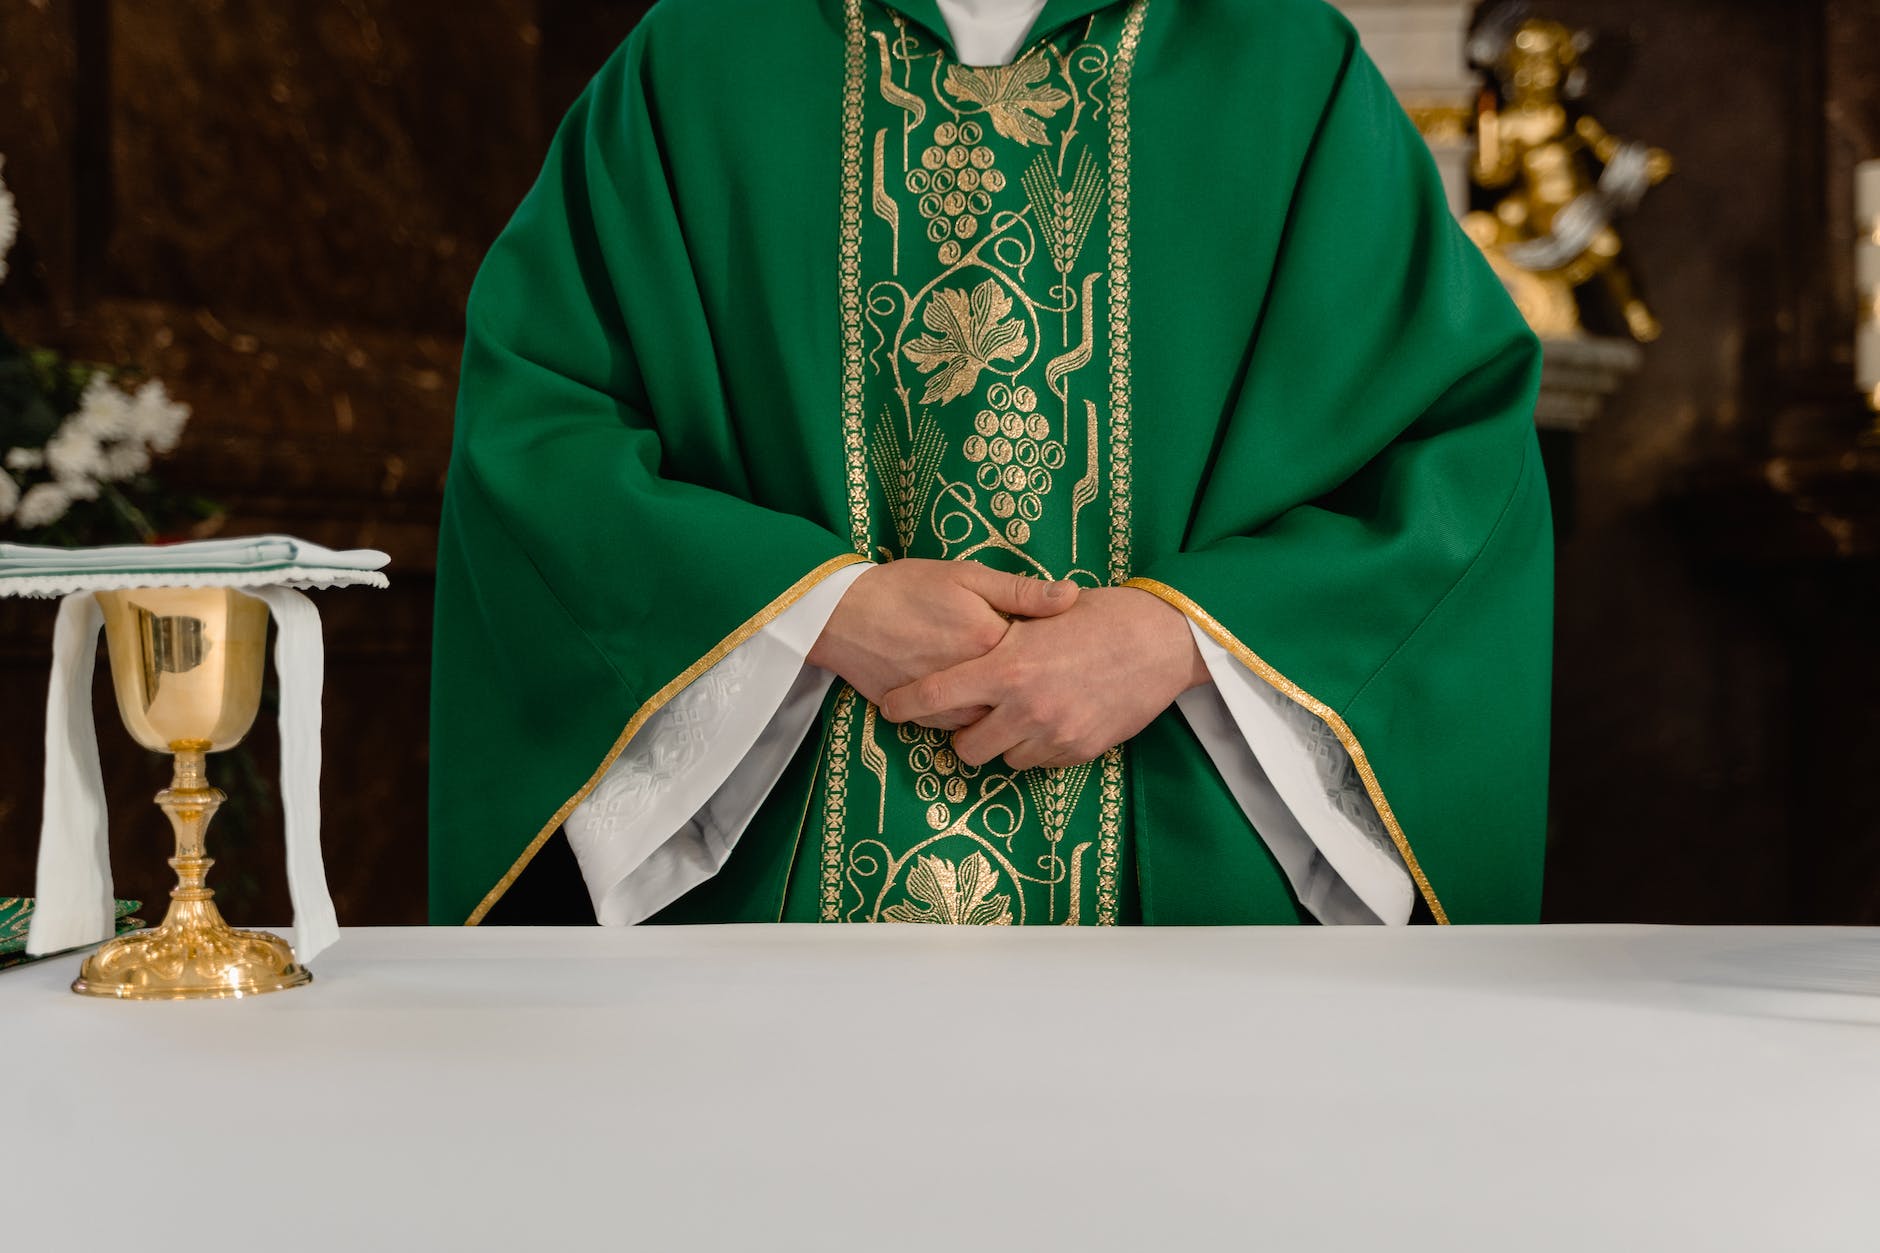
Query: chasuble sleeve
{"points": [[667, 813], [600, 549], [1402, 600]]}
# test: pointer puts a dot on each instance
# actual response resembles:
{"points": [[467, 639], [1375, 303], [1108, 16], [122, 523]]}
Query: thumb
{"points": [[1019, 596]]}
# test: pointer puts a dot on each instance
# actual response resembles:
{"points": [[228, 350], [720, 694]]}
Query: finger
{"points": [[996, 733], [954, 719], [1034, 753], [1016, 594], [1029, 753], [1060, 760], [965, 686]]}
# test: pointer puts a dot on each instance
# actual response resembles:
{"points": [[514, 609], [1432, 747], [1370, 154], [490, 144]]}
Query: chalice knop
{"points": [[187, 666]]}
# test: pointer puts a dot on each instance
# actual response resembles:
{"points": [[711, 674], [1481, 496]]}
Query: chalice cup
{"points": [[187, 666]]}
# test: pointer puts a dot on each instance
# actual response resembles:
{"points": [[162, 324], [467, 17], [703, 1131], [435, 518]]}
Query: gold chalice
{"points": [[187, 665]]}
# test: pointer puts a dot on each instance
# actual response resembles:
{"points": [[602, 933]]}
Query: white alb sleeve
{"points": [[1301, 791], [665, 816]]}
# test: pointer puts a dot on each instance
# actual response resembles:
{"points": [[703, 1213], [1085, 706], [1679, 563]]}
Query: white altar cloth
{"points": [[917, 1088]]}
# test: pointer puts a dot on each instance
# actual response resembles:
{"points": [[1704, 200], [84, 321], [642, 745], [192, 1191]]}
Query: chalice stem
{"points": [[189, 802]]}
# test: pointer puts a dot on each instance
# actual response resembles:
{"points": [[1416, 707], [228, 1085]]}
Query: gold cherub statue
{"points": [[1552, 230]]}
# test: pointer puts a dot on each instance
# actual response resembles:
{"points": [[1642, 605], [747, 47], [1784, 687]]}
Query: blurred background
{"points": [[276, 208]]}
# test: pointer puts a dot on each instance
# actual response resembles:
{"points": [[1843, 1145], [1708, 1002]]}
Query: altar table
{"points": [[1519, 1090]]}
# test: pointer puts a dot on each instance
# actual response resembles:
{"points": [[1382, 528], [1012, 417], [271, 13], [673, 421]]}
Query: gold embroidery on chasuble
{"points": [[984, 293]]}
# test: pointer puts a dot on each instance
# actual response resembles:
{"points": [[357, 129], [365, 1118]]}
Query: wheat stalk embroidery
{"points": [[1064, 214], [907, 478], [1055, 791]]}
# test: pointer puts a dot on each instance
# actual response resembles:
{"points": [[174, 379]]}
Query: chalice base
{"points": [[194, 955]]}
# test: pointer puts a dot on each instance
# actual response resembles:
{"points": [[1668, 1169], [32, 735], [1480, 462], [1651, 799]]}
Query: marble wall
{"points": [[278, 207]]}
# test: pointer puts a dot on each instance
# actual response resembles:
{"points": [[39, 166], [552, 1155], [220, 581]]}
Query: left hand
{"points": [[1062, 690]]}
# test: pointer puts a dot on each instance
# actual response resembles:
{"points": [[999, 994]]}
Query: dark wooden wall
{"points": [[277, 206], [1716, 682]]}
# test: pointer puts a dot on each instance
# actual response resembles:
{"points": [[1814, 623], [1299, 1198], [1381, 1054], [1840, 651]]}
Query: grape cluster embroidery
{"points": [[956, 183], [1016, 455]]}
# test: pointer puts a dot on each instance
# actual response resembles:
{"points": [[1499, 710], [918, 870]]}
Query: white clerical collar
{"points": [[989, 32]]}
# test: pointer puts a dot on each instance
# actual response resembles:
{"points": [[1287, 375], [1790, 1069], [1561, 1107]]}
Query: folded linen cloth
{"points": [[258, 560]]}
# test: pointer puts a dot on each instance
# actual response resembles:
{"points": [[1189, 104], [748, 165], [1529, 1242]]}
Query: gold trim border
{"points": [[849, 286], [835, 807], [1299, 696], [1109, 821], [1109, 835], [658, 701], [1121, 377]]}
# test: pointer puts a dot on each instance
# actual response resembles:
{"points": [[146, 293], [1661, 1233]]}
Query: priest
{"points": [[992, 462]]}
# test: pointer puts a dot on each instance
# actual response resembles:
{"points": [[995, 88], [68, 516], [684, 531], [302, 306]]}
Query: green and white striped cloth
{"points": [[251, 561]]}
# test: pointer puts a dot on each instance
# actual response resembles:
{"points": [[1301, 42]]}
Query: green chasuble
{"points": [[1175, 301]]}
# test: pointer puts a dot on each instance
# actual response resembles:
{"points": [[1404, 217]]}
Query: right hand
{"points": [[907, 619]]}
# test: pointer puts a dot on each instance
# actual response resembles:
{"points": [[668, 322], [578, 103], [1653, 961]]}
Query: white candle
{"points": [[1867, 278], [1867, 199], [1867, 265]]}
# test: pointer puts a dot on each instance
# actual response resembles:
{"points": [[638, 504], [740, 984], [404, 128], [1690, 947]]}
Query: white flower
{"points": [[43, 504], [76, 458], [125, 460], [104, 411], [111, 437], [156, 419], [9, 222]]}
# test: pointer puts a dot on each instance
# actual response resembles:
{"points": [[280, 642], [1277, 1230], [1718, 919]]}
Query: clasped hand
{"points": [[1041, 673]]}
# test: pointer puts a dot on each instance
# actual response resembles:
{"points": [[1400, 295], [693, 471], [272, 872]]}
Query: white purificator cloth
{"points": [[73, 893]]}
